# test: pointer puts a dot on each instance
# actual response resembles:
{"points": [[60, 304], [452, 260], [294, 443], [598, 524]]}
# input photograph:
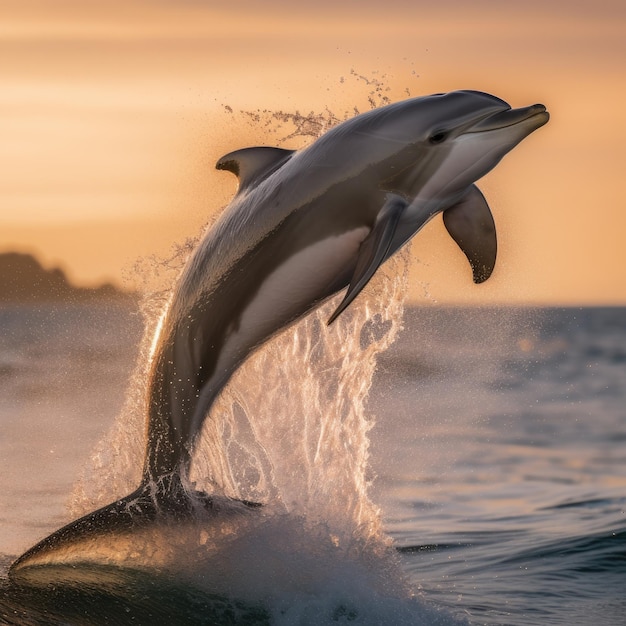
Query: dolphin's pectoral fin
{"points": [[471, 225], [252, 165], [373, 250]]}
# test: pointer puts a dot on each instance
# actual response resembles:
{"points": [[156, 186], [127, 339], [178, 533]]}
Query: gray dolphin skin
{"points": [[303, 226]]}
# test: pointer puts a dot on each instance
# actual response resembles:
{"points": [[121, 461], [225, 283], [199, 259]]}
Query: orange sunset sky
{"points": [[113, 114]]}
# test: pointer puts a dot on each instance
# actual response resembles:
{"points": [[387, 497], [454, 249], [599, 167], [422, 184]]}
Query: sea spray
{"points": [[289, 431], [299, 129], [115, 466], [291, 426]]}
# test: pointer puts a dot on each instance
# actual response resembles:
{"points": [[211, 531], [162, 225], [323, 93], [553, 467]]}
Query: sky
{"points": [[113, 114]]}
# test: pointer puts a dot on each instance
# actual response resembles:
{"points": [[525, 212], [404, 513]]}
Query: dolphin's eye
{"points": [[438, 137]]}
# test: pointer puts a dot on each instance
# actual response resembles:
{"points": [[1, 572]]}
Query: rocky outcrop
{"points": [[23, 279]]}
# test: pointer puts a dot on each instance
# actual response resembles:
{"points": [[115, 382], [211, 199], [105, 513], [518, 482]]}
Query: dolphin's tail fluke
{"points": [[165, 502]]}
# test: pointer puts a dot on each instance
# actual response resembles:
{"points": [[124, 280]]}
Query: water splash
{"points": [[291, 427], [290, 430], [239, 452], [116, 462], [371, 92]]}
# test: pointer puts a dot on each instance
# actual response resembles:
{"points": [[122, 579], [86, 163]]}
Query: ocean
{"points": [[494, 458]]}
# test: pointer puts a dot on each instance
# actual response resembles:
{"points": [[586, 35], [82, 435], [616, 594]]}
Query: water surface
{"points": [[498, 458]]}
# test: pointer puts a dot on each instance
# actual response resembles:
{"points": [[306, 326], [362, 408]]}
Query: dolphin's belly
{"points": [[294, 286], [286, 293]]}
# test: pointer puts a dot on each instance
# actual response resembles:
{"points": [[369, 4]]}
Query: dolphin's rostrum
{"points": [[303, 226]]}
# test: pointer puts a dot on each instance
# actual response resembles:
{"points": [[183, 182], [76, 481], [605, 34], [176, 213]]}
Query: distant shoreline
{"points": [[23, 280]]}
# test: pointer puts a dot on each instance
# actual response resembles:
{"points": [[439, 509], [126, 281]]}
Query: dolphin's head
{"points": [[426, 153], [445, 142]]}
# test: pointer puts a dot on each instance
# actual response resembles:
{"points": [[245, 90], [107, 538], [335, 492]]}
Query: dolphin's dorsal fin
{"points": [[374, 249], [252, 165], [471, 225]]}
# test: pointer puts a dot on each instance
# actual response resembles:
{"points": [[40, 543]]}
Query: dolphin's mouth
{"points": [[535, 115]]}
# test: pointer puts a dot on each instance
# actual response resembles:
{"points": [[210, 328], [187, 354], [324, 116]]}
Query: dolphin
{"points": [[303, 226]]}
